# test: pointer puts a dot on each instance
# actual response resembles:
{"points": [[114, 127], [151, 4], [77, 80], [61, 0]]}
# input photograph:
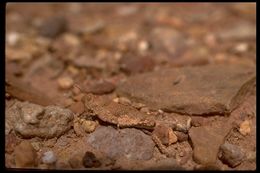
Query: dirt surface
{"points": [[131, 86]]}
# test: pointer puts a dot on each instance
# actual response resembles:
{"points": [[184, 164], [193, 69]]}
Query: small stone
{"points": [[241, 47], [181, 136], [89, 160], [245, 127], [172, 137], [231, 154], [138, 105], [53, 26], [71, 39], [49, 157], [116, 99], [124, 101], [25, 156], [76, 161], [133, 65], [102, 87], [181, 154], [165, 135], [89, 126], [77, 107], [65, 82], [78, 97], [143, 46], [12, 38], [197, 121], [145, 110], [160, 111]]}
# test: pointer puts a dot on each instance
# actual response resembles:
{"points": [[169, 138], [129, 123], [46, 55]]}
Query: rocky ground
{"points": [[131, 86]]}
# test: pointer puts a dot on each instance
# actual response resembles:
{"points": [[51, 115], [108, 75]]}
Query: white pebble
{"points": [[143, 46], [242, 47], [49, 157], [13, 38]]}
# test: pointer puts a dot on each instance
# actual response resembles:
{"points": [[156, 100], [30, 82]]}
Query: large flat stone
{"points": [[211, 89]]}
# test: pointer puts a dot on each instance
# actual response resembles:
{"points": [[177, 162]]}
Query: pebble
{"points": [[76, 161], [241, 47], [101, 87], [65, 82], [181, 136], [138, 105], [77, 107], [25, 155], [52, 122], [89, 160], [245, 127], [231, 154], [89, 126], [143, 46], [127, 142], [49, 157], [145, 110], [12, 38], [165, 134], [197, 121], [133, 64], [124, 101], [53, 26]]}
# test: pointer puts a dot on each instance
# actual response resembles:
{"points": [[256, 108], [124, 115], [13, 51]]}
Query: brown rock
{"points": [[102, 87], [89, 160], [53, 26], [165, 134], [245, 127], [128, 142], [77, 107], [197, 121], [231, 154], [76, 161], [133, 64], [31, 120], [206, 141], [65, 82], [25, 155], [227, 87], [181, 136]]}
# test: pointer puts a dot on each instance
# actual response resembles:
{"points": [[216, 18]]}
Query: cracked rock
{"points": [[213, 89]]}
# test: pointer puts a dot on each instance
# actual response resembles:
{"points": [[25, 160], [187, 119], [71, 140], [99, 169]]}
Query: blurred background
{"points": [[52, 46]]}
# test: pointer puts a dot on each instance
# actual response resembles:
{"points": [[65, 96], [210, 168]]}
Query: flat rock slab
{"points": [[130, 143], [206, 141], [211, 89]]}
